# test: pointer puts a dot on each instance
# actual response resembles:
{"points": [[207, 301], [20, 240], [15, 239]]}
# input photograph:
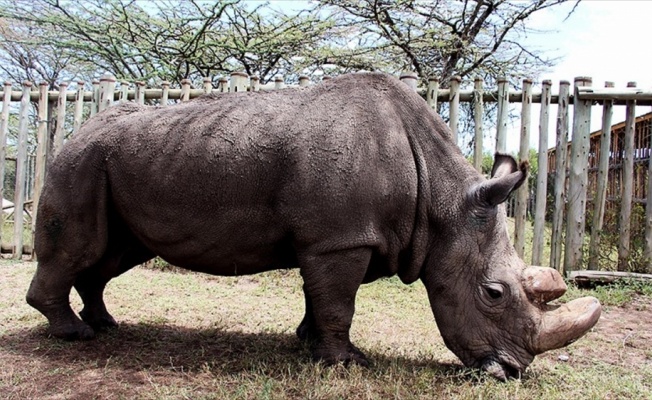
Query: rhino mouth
{"points": [[501, 369]]}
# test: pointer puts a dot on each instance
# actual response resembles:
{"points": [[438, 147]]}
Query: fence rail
{"points": [[570, 201]]}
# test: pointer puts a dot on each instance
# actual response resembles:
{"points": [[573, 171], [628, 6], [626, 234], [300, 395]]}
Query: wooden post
{"points": [[520, 212], [577, 178], [185, 89], [95, 101], [478, 111], [278, 82], [600, 196], [223, 85], [454, 107], [42, 146], [165, 85], [542, 175], [627, 188], [410, 79], [238, 82], [433, 92], [4, 128], [561, 153], [79, 107], [107, 91], [208, 85], [21, 165], [304, 80], [59, 132], [647, 251], [503, 111], [139, 95], [254, 83], [124, 91]]}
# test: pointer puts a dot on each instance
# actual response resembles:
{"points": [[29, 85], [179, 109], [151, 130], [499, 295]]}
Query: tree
{"points": [[440, 38], [169, 40]]}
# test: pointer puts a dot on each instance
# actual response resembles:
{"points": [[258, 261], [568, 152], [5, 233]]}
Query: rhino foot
{"points": [[306, 332], [70, 332], [98, 321], [351, 355]]}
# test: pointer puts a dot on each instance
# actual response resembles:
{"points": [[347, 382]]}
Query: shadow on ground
{"points": [[176, 348]]}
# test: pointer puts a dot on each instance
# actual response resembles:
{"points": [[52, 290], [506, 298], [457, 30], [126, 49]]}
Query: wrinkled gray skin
{"points": [[350, 180]]}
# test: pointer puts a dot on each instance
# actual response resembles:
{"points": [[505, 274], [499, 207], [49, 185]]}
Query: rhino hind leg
{"points": [[330, 285], [91, 283], [49, 294]]}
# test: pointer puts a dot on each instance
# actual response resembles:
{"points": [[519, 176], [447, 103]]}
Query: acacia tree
{"points": [[441, 38], [170, 40]]}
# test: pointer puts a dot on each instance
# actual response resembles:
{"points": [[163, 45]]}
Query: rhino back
{"points": [[242, 179]]}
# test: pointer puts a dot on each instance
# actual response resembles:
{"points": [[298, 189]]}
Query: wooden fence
{"points": [[571, 166]]}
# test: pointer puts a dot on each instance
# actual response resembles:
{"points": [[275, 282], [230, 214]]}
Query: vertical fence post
{"points": [[520, 212], [278, 82], [433, 92], [79, 107], [627, 188], [561, 153], [238, 82], [4, 128], [185, 89], [478, 111], [208, 85], [21, 165], [139, 95], [107, 91], [542, 175], [42, 146], [577, 178], [59, 132], [600, 196], [410, 79], [647, 251], [454, 107], [503, 111], [165, 93], [304, 80], [124, 91], [254, 83], [223, 85], [95, 98]]}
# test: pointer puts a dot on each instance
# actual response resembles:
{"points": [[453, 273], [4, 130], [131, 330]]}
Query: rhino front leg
{"points": [[307, 331], [331, 282]]}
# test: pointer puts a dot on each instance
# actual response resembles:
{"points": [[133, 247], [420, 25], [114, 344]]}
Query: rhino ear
{"points": [[506, 177]]}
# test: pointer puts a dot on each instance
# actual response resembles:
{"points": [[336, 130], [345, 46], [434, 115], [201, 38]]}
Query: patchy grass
{"points": [[195, 336]]}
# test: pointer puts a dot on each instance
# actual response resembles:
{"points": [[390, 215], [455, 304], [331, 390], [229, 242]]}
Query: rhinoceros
{"points": [[350, 180]]}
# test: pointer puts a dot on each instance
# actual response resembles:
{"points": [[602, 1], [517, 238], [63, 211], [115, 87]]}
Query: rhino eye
{"points": [[494, 293]]}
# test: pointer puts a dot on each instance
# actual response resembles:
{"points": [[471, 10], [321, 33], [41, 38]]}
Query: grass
{"points": [[187, 335]]}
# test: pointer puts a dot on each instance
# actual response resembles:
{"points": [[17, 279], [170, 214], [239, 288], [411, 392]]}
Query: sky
{"points": [[603, 39]]}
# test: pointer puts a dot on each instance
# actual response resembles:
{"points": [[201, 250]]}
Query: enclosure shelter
{"points": [[642, 150]]}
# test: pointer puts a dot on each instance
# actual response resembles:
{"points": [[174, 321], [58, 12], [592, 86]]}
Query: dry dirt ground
{"points": [[194, 336]]}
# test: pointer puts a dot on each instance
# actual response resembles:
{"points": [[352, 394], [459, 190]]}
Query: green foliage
{"points": [[610, 236], [152, 41]]}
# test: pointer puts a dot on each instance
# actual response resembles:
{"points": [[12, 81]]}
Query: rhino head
{"points": [[492, 311]]}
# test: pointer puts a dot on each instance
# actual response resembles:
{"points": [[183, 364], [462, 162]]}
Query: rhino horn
{"points": [[562, 325], [506, 176], [543, 284]]}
